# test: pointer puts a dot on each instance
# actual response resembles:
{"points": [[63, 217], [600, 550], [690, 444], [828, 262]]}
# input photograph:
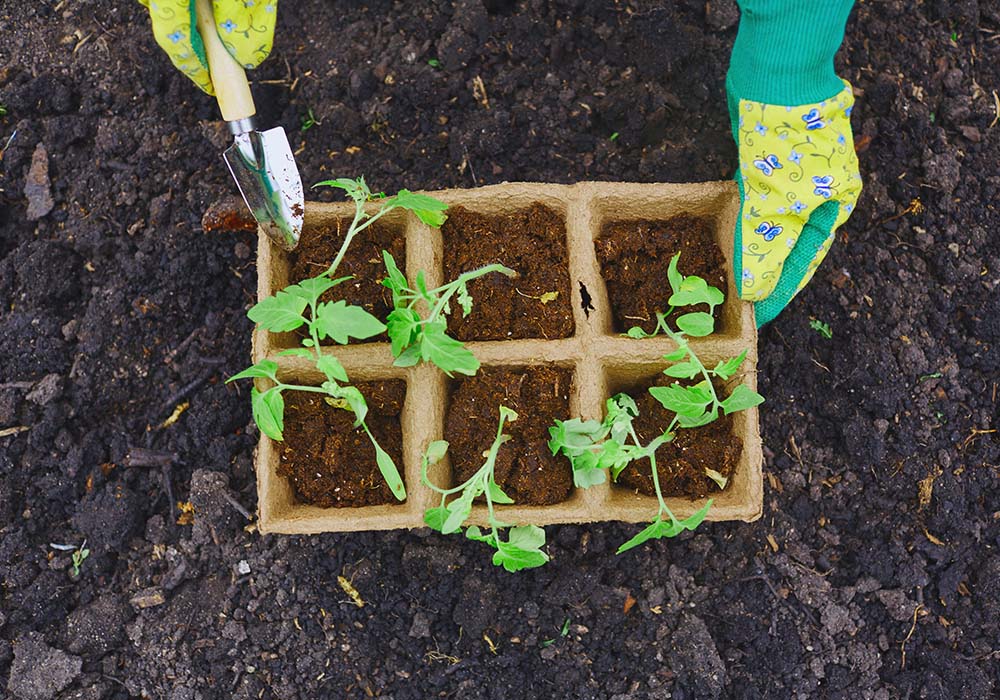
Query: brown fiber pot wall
{"points": [[603, 362]]}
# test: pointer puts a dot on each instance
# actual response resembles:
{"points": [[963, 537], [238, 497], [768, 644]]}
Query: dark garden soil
{"points": [[681, 463], [533, 243], [874, 571], [635, 255], [330, 463], [525, 468], [363, 262]]}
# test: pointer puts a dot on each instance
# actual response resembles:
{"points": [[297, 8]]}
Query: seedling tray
{"points": [[603, 362]]}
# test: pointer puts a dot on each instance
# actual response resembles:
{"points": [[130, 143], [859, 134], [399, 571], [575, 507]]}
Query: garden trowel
{"points": [[261, 161]]}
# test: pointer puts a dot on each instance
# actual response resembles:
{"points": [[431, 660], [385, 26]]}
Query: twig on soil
{"points": [[902, 646], [170, 405], [237, 505], [17, 385], [182, 346], [144, 457], [4, 432]]}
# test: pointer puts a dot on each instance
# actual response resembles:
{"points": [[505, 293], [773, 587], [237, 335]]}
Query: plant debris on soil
{"points": [[536, 303], [635, 255], [681, 463], [838, 591], [363, 263], [330, 462], [525, 467]]}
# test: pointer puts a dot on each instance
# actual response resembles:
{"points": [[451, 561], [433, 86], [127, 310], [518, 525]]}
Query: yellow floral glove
{"points": [[246, 28], [799, 182]]}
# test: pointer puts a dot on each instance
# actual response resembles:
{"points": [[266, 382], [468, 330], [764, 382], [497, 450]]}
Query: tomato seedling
{"points": [[593, 446], [415, 338], [523, 547], [298, 306]]}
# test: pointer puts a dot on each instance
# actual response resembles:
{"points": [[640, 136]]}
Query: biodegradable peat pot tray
{"points": [[597, 357]]}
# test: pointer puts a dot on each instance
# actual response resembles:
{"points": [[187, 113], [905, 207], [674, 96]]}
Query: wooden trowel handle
{"points": [[228, 77]]}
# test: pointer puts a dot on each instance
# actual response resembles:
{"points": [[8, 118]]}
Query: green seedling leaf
{"points": [[268, 412], [355, 401], [587, 471], [297, 352], [637, 333], [279, 313], [408, 357], [331, 367], [698, 421], [741, 398], [684, 401], [435, 452], [497, 494], [435, 518], [389, 472], [666, 528], [822, 328], [464, 299], [697, 324], [313, 288], [426, 208], [448, 354], [265, 368], [522, 550], [679, 354], [474, 533], [459, 511], [339, 321], [694, 290], [683, 370], [356, 189], [673, 274], [726, 369], [404, 327], [396, 281]]}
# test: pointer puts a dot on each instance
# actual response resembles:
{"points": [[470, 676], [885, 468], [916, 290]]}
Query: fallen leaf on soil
{"points": [[37, 187], [773, 542], [490, 642], [148, 598], [187, 512], [629, 602], [548, 296], [172, 418], [351, 591], [925, 488], [932, 538]]}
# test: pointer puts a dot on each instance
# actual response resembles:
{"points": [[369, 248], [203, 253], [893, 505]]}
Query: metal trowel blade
{"points": [[264, 169]]}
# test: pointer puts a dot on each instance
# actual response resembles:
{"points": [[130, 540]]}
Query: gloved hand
{"points": [[246, 28], [798, 173]]}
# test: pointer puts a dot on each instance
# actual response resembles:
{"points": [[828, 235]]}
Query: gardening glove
{"points": [[798, 174], [246, 28]]}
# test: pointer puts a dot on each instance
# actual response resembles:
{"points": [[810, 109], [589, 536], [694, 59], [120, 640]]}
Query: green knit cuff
{"points": [[784, 49]]}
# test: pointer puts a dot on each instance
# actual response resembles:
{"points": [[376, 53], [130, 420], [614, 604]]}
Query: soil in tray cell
{"points": [[681, 463], [525, 468], [318, 247], [330, 463], [536, 303], [635, 255]]}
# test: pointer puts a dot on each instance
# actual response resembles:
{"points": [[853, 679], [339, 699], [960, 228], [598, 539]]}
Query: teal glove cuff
{"points": [[784, 49]]}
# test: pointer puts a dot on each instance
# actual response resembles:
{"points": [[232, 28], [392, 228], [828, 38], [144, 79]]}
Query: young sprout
{"points": [[78, 557], [593, 446], [415, 338], [822, 328], [298, 305], [523, 547]]}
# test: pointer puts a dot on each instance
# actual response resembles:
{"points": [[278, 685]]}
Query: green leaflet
{"points": [[338, 321]]}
